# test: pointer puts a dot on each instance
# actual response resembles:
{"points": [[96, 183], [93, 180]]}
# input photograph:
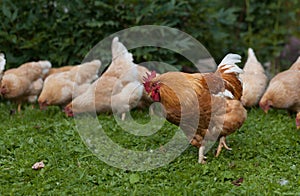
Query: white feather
{"points": [[229, 63], [234, 69], [2, 62], [226, 93], [231, 59]]}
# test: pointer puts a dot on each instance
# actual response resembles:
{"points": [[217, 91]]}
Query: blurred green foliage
{"points": [[64, 31]]}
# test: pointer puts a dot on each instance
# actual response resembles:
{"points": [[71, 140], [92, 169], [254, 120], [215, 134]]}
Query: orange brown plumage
{"points": [[206, 106]]}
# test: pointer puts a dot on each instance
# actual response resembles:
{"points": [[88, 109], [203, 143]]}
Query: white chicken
{"points": [[110, 92], [254, 80]]}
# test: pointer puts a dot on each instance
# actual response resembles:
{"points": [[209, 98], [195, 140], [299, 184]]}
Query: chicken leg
{"points": [[222, 143], [19, 107], [202, 158], [123, 116]]}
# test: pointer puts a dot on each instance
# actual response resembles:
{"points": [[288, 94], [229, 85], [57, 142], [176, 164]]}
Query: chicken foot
{"points": [[222, 143]]}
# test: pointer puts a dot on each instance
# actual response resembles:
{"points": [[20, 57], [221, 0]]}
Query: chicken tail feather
{"points": [[118, 49], [45, 65], [230, 74], [228, 64]]}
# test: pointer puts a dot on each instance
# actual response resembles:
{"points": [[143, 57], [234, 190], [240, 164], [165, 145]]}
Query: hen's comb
{"points": [[149, 76]]}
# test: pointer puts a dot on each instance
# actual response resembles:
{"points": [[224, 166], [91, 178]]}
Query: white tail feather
{"points": [[231, 59], [229, 63]]}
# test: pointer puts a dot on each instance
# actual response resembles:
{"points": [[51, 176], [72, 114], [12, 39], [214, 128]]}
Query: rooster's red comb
{"points": [[149, 76], [148, 79]]}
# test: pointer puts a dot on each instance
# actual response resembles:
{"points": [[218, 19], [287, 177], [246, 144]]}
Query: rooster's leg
{"points": [[202, 158], [222, 143]]}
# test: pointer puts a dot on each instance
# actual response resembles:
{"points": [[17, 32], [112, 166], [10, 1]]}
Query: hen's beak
{"points": [[43, 105], [68, 112], [264, 107], [3, 91]]}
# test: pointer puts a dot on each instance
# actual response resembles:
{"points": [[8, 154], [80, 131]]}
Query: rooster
{"points": [[254, 80], [22, 84], [283, 92], [205, 106], [60, 87]]}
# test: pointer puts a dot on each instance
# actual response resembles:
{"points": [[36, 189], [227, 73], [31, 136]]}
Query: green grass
{"points": [[266, 153]]}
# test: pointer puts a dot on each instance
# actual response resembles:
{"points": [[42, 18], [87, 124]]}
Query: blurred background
{"points": [[64, 31]]}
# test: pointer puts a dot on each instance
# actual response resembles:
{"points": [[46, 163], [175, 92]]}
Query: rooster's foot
{"points": [[222, 143]]}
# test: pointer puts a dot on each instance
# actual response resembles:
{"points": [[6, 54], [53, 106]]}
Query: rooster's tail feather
{"points": [[228, 64], [229, 72]]}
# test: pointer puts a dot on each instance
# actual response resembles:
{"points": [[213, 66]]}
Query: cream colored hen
{"points": [[24, 83], [58, 70], [60, 87], [254, 80], [110, 91], [283, 92], [125, 100]]}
